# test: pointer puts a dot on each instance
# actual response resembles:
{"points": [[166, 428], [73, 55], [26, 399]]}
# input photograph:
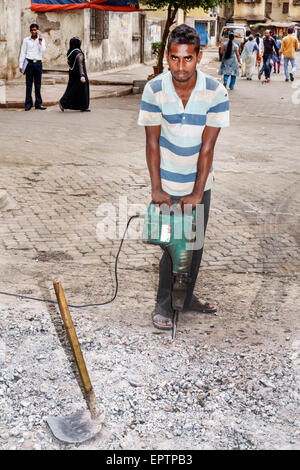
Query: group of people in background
{"points": [[76, 96], [264, 53]]}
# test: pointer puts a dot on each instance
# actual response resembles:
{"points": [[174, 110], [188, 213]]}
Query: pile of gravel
{"points": [[157, 393]]}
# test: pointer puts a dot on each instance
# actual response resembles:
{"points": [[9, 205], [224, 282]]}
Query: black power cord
{"points": [[20, 296]]}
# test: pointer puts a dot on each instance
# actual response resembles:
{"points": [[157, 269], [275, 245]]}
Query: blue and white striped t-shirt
{"points": [[181, 128]]}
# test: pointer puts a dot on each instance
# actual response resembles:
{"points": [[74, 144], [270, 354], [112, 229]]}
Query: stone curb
{"points": [[110, 94]]}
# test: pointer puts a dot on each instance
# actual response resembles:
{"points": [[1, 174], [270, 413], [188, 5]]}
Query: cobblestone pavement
{"points": [[59, 169]]}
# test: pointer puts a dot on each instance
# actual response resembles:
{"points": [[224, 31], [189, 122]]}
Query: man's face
{"points": [[183, 60], [34, 32], [267, 34]]}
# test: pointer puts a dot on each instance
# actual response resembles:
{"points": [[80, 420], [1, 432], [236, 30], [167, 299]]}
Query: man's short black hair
{"points": [[248, 32], [33, 25], [184, 34], [290, 30]]}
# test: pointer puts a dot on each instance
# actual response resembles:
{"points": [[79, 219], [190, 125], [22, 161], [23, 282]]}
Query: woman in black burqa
{"points": [[77, 94]]}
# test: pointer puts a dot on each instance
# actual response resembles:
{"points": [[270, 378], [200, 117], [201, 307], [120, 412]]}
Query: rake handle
{"points": [[67, 319]]}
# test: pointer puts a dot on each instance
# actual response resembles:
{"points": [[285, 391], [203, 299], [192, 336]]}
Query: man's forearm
{"points": [[203, 168], [159, 196], [205, 159], [153, 162]]}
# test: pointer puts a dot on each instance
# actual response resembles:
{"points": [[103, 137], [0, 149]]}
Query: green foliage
{"points": [[183, 4], [155, 47]]}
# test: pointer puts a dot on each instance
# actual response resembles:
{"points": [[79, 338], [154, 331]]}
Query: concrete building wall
{"points": [[123, 47], [3, 35], [57, 29], [156, 14], [153, 33], [245, 10], [277, 10], [294, 10], [10, 36]]}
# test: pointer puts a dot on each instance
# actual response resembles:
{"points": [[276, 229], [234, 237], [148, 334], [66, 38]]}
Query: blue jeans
{"points": [[286, 66], [267, 66], [232, 81]]}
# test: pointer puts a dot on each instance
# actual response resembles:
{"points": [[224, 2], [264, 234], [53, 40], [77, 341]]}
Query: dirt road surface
{"points": [[229, 381]]}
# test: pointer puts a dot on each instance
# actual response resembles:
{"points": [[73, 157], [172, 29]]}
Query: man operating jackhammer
{"points": [[182, 111]]}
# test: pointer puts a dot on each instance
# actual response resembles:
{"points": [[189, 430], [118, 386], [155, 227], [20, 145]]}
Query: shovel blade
{"points": [[75, 428]]}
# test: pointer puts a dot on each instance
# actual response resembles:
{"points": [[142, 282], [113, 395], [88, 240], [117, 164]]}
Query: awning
{"points": [[281, 24], [108, 5]]}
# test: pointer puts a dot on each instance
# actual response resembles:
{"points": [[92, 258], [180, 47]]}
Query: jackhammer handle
{"points": [[67, 319]]}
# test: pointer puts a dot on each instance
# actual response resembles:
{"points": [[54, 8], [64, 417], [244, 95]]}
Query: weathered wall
{"points": [[122, 48], [294, 11], [57, 29], [3, 41], [277, 14], [246, 10], [10, 36]]}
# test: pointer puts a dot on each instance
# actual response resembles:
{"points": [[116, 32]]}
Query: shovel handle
{"points": [[67, 319]]}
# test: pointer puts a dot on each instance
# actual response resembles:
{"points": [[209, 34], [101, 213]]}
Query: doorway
{"points": [[201, 28]]}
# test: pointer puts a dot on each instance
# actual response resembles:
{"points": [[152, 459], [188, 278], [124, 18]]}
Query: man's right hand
{"points": [[21, 70], [159, 196]]}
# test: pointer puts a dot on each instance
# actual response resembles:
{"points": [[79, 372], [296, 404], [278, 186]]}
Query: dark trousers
{"points": [[267, 66], [166, 277], [33, 75]]}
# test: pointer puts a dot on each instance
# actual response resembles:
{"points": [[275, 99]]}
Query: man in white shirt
{"points": [[30, 63]]}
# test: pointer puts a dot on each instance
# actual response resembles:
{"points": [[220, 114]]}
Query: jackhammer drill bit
{"points": [[175, 319]]}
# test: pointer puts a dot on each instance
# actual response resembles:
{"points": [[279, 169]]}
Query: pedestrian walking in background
{"points": [[249, 56], [77, 94], [268, 52], [260, 46], [260, 43], [241, 47], [230, 62], [288, 47], [30, 63], [275, 59]]}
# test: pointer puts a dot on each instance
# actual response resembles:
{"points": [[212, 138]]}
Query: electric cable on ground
{"points": [[85, 305]]}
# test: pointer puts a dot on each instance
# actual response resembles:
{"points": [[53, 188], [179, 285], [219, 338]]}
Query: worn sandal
{"points": [[161, 322], [198, 305]]}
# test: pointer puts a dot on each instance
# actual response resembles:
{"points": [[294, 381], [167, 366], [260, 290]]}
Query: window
{"points": [[99, 28], [285, 8], [269, 7]]}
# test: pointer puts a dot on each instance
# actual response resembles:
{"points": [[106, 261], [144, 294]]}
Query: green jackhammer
{"points": [[169, 228]]}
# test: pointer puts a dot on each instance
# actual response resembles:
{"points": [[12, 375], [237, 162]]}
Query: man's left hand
{"points": [[189, 199]]}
